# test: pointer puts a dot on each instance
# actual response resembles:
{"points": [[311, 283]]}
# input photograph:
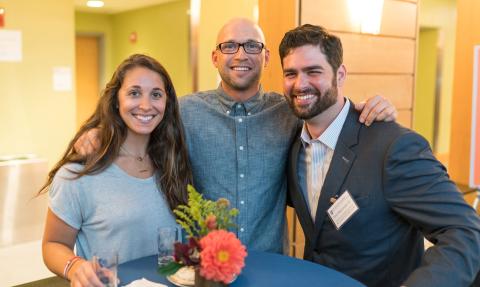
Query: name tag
{"points": [[342, 210]]}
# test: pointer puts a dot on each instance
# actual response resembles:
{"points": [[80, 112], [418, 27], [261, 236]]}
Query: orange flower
{"points": [[211, 222], [222, 256]]}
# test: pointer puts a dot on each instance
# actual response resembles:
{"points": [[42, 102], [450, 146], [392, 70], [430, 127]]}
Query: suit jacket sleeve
{"points": [[419, 190]]}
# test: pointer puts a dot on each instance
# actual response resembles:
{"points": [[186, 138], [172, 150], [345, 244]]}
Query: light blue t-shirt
{"points": [[112, 211]]}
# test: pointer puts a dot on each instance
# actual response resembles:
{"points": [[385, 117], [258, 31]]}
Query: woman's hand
{"points": [[82, 274]]}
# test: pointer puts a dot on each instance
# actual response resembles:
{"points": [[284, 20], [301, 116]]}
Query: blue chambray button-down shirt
{"points": [[239, 151]]}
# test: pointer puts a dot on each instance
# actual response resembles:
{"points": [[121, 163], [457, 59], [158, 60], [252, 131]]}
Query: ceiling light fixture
{"points": [[95, 3]]}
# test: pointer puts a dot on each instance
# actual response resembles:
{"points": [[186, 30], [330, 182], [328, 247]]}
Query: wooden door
{"points": [[87, 76]]}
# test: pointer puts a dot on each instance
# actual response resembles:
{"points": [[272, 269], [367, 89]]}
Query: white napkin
{"points": [[144, 283]]}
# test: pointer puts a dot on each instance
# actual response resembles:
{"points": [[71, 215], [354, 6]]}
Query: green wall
{"points": [[162, 32], [424, 107], [33, 117], [441, 15]]}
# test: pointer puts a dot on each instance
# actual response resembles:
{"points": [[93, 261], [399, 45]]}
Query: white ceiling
{"points": [[116, 6]]}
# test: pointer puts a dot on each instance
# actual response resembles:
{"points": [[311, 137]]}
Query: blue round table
{"points": [[261, 269]]}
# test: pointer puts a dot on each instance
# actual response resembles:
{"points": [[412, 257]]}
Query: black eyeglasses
{"points": [[250, 47]]}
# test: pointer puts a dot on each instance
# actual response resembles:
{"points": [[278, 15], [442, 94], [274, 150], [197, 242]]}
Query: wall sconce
{"points": [[366, 14]]}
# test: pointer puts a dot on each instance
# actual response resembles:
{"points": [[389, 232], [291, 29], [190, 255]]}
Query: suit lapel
{"points": [[342, 161], [296, 194]]}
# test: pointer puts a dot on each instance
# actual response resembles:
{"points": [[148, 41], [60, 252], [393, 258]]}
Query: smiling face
{"points": [[142, 99], [309, 82], [240, 72]]}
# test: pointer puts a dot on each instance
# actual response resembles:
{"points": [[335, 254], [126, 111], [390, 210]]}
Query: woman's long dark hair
{"points": [[166, 146]]}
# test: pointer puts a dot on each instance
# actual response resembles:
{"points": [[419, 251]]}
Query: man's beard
{"points": [[322, 102]]}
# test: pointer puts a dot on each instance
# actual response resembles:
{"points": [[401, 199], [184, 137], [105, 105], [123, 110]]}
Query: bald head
{"points": [[240, 28], [240, 71]]}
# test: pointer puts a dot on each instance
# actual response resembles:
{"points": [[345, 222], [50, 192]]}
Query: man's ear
{"points": [[341, 75], [215, 58], [267, 57]]}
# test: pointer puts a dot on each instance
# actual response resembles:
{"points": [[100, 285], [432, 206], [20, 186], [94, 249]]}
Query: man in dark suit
{"points": [[366, 196]]}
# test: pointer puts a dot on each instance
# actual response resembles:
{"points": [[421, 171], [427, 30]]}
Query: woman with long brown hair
{"points": [[117, 197]]}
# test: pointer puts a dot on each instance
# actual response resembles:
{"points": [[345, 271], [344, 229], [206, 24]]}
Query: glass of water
{"points": [[166, 237], [105, 264]]}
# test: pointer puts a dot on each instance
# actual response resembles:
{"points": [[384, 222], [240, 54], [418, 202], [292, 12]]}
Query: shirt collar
{"points": [[330, 136], [250, 104]]}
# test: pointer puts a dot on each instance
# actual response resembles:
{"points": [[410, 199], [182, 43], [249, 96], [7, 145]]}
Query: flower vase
{"points": [[200, 281]]}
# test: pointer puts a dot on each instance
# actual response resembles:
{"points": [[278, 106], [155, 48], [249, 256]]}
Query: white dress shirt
{"points": [[315, 157]]}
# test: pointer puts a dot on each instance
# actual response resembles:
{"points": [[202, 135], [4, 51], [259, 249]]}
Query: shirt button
{"points": [[239, 106], [242, 202], [240, 120], [249, 114], [242, 230], [241, 147], [228, 112], [242, 175]]}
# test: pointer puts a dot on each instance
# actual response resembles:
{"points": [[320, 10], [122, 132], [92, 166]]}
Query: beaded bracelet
{"points": [[69, 265]]}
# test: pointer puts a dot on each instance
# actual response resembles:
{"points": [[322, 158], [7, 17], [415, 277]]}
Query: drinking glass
{"points": [[166, 237], [105, 264]]}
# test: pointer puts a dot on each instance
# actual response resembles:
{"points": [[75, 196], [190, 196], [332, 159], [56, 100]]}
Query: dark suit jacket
{"points": [[402, 192]]}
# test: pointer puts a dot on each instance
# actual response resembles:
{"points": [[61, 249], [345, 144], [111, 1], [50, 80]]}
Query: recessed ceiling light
{"points": [[95, 3]]}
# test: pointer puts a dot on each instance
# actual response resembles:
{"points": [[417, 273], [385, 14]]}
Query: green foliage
{"points": [[170, 268], [192, 217]]}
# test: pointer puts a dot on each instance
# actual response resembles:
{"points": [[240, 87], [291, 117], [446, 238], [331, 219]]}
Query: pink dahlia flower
{"points": [[222, 256]]}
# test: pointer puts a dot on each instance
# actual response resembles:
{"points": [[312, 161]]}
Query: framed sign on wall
{"points": [[474, 178], [475, 136]]}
